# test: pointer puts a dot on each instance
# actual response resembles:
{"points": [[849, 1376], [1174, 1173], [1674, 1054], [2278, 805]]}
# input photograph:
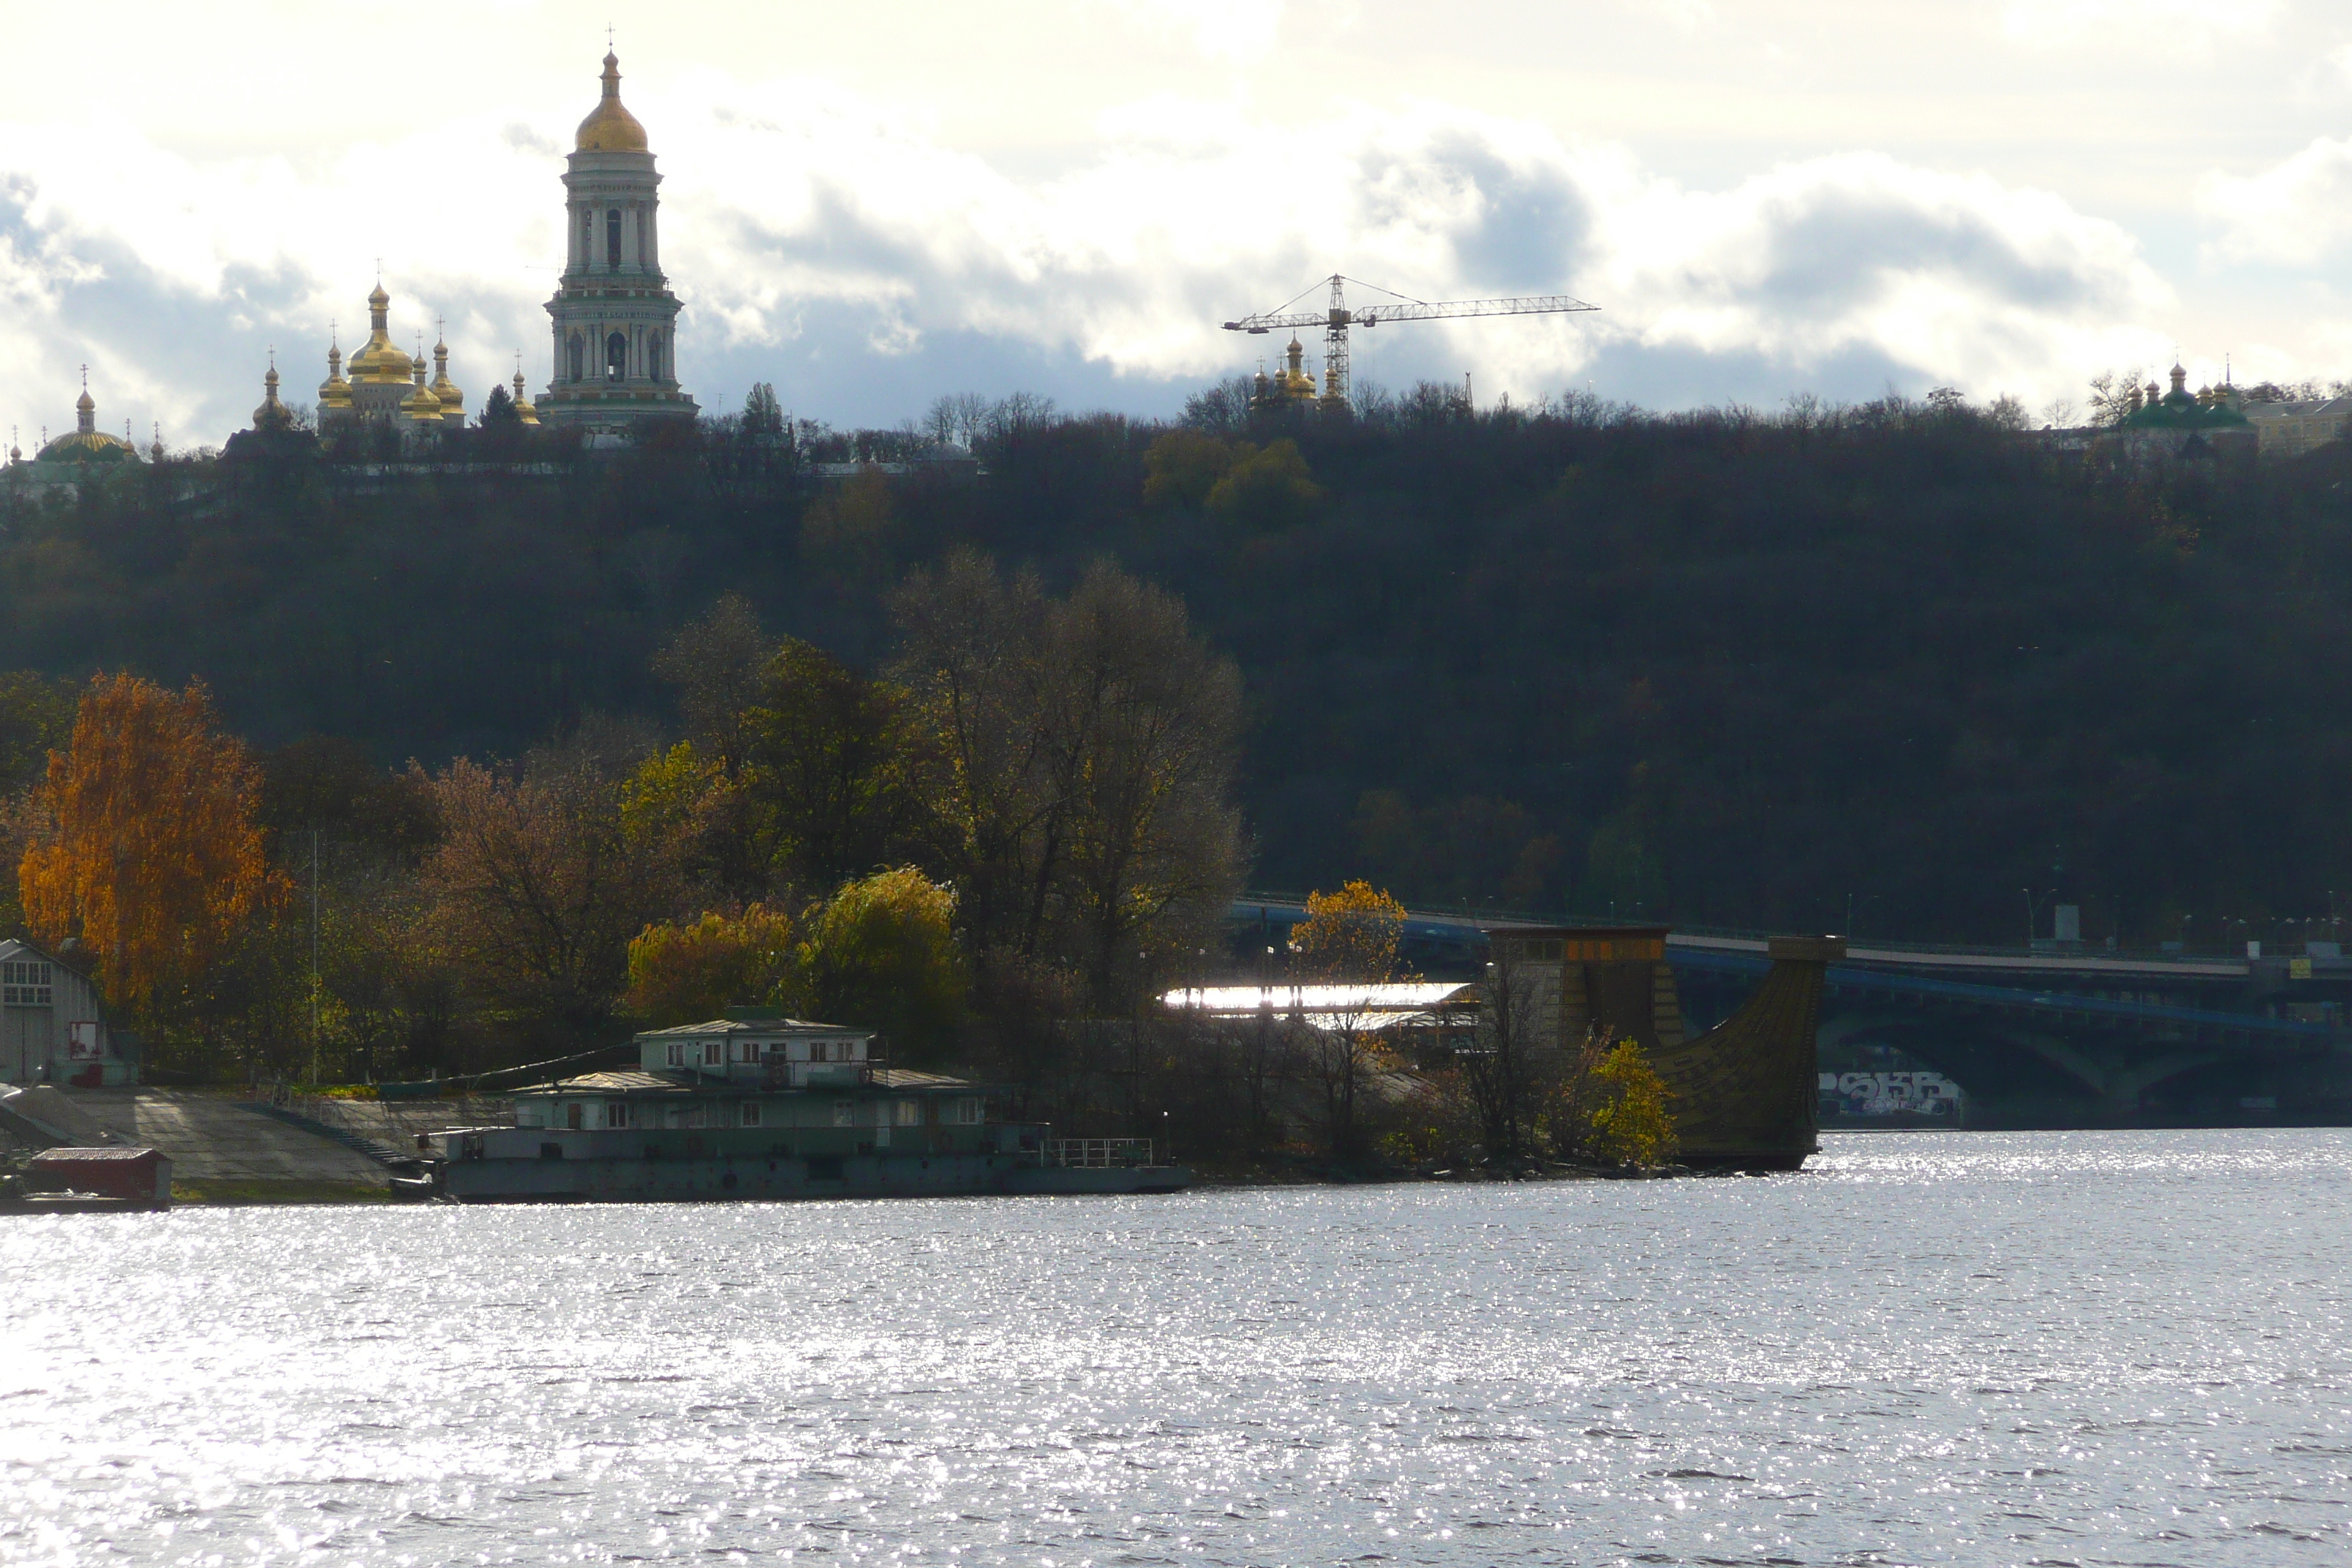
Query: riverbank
{"points": [[226, 1149]]}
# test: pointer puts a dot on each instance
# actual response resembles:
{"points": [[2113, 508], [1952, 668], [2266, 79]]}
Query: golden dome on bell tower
{"points": [[610, 128]]}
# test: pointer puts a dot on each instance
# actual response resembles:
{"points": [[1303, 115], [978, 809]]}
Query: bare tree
{"points": [[1084, 758], [1501, 1068], [538, 889], [717, 664], [2114, 397], [1154, 850], [972, 650]]}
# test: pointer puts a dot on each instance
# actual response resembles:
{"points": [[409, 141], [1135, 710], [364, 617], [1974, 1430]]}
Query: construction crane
{"points": [[1336, 321]]}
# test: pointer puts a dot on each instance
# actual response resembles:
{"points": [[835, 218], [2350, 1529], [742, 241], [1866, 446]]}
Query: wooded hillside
{"points": [[1717, 667]]}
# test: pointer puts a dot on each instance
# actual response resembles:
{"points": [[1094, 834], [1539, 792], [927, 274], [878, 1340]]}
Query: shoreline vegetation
{"points": [[327, 766]]}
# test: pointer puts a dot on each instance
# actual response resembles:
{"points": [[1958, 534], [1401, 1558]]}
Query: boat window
{"points": [[575, 1115], [677, 1053], [910, 1113], [816, 1051], [750, 1113], [844, 1114], [616, 1113], [967, 1112], [711, 1049]]}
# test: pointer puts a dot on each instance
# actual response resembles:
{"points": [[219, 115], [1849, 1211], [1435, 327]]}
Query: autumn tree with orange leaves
{"points": [[144, 844]]}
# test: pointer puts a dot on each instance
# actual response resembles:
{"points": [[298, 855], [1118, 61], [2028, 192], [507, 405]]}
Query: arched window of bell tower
{"points": [[579, 357], [587, 237], [653, 357], [616, 357], [612, 238]]}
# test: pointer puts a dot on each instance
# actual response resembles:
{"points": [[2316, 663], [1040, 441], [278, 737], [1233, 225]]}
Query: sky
{"points": [[873, 206]]}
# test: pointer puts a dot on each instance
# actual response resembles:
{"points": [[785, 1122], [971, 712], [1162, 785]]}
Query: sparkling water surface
{"points": [[1976, 1348]]}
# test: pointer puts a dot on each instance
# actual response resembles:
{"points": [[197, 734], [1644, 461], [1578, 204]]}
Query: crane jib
{"points": [[1336, 321]]}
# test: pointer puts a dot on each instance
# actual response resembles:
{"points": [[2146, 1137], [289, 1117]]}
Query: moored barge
{"points": [[759, 1107]]}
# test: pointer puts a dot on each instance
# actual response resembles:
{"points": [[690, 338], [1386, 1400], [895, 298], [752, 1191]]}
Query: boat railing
{"points": [[1098, 1154]]}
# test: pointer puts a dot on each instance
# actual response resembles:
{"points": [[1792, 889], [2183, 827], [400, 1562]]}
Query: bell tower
{"points": [[614, 317]]}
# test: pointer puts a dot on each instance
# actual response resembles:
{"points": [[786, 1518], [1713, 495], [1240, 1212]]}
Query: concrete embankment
{"points": [[224, 1150]]}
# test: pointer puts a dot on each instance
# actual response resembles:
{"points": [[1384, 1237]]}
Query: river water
{"points": [[1977, 1348]]}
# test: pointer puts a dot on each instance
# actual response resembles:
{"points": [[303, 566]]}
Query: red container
{"points": [[139, 1176]]}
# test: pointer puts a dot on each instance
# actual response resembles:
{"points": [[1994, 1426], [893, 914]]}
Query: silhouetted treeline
{"points": [[1722, 667]]}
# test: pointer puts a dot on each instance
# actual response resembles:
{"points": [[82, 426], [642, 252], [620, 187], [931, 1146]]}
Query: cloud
{"points": [[2292, 214], [1189, 216], [841, 249], [1687, 15], [1956, 277], [2170, 26]]}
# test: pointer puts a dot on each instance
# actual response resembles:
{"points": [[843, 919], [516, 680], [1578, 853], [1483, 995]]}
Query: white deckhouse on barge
{"points": [[756, 1105]]}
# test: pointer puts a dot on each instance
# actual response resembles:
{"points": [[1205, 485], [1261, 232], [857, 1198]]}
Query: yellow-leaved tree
{"points": [[1631, 1124], [1349, 941], [146, 846], [881, 954], [690, 972]]}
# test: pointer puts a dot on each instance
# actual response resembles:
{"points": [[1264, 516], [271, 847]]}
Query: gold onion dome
{"points": [[334, 391], [87, 443], [272, 415], [445, 391], [421, 404], [523, 407], [378, 361], [610, 128]]}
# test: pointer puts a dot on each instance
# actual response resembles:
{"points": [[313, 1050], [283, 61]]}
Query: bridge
{"points": [[2045, 1037]]}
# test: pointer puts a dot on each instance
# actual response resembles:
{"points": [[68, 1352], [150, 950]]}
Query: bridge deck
{"points": [[2021, 983]]}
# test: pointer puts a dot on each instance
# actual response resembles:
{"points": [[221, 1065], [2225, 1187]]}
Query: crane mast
{"points": [[1337, 318]]}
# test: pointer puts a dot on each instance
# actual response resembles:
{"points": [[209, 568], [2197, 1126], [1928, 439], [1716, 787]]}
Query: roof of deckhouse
{"points": [[629, 1080]]}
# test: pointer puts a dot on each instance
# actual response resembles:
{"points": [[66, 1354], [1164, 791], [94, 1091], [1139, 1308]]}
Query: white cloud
{"points": [[1687, 15], [1190, 216], [801, 213], [2136, 24], [2292, 213]]}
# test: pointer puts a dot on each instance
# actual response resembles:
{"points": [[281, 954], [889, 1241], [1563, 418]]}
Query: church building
{"points": [[614, 316], [387, 387]]}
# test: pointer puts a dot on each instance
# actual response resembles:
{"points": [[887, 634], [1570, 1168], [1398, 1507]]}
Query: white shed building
{"points": [[52, 1025]]}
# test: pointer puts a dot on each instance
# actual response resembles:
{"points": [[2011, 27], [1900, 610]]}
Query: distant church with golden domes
{"points": [[85, 452], [384, 387], [614, 316]]}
